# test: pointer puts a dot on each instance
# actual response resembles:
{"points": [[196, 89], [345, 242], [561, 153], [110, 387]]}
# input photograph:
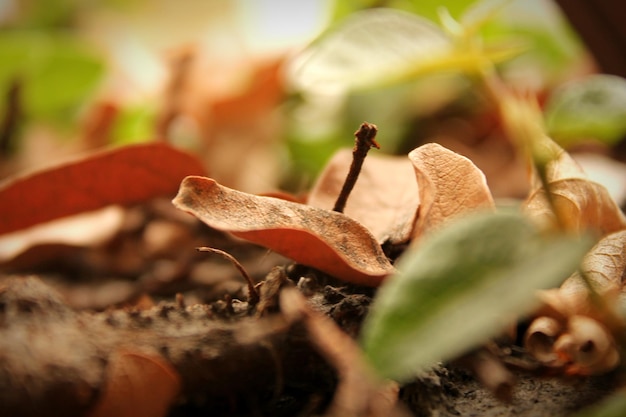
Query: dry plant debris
{"points": [[324, 239], [449, 185], [384, 199], [581, 203], [395, 200], [125, 175]]}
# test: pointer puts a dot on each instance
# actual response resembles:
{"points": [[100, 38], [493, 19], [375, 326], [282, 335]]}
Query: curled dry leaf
{"points": [[323, 239], [384, 199], [449, 185], [575, 329], [138, 384], [606, 171], [124, 175], [581, 204]]}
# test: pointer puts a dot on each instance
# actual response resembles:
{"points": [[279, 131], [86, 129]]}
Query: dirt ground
{"points": [[149, 291]]}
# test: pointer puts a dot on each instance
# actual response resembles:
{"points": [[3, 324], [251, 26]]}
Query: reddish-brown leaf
{"points": [[124, 175], [138, 384], [323, 239], [384, 199], [449, 185]]}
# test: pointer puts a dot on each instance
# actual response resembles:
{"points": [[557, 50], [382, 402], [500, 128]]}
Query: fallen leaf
{"points": [[603, 266], [137, 384], [581, 204], [384, 199], [323, 239], [82, 230], [124, 175], [449, 185], [605, 171], [233, 105], [461, 286]]}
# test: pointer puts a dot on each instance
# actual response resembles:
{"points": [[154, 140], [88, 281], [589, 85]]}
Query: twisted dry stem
{"points": [[365, 138]]}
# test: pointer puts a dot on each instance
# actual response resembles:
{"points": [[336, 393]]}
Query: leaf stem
{"points": [[253, 295], [365, 138]]}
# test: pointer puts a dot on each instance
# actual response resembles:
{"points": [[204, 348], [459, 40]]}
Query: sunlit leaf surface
{"points": [[460, 287], [368, 47]]}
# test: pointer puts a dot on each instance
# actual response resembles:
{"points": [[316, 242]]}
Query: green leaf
{"points": [[57, 71], [366, 48], [461, 286], [481, 12], [613, 406], [134, 124], [381, 47], [594, 107]]}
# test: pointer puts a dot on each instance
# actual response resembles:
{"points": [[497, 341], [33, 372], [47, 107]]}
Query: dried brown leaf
{"points": [[323, 239], [384, 199], [138, 384], [581, 204], [124, 175], [449, 185], [606, 171]]}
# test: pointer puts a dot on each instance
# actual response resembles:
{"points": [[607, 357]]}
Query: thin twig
{"points": [[253, 295], [365, 138]]}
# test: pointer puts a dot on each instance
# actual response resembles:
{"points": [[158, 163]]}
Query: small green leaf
{"points": [[591, 108], [459, 287], [134, 124]]}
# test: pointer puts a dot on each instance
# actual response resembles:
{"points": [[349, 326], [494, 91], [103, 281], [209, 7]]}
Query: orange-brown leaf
{"points": [[449, 185], [123, 175], [323, 239], [138, 384], [384, 199]]}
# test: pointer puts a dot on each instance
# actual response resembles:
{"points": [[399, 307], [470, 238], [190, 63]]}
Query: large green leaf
{"points": [[379, 47], [460, 286], [594, 107], [368, 47]]}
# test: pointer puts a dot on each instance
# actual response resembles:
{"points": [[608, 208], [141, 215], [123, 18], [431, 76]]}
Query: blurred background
{"points": [[213, 77]]}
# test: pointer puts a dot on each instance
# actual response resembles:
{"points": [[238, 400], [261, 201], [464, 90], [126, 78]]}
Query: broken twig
{"points": [[365, 138]]}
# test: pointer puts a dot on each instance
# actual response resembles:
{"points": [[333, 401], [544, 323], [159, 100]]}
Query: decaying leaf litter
{"points": [[199, 346]]}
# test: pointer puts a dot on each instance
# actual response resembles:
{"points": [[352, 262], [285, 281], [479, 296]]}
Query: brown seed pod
{"points": [[576, 326]]}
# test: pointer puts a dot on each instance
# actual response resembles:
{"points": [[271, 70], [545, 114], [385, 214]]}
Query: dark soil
{"points": [[60, 327]]}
